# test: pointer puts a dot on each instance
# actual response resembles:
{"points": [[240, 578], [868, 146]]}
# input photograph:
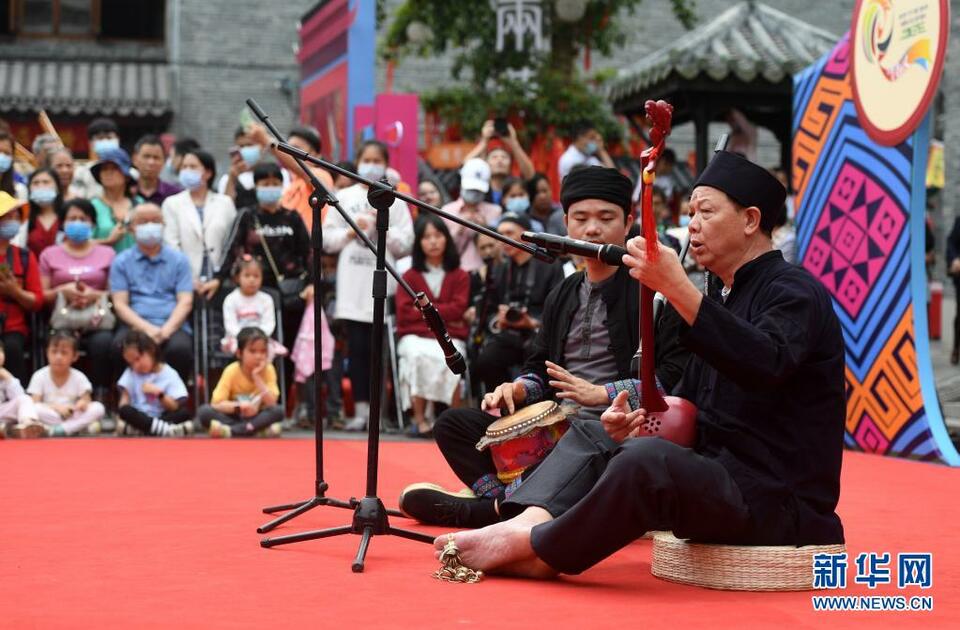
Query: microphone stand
{"points": [[318, 198], [370, 516]]}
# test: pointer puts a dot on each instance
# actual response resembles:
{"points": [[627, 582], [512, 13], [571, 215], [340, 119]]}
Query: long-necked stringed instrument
{"points": [[669, 417]]}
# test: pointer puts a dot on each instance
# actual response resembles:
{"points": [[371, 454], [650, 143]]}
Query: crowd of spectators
{"points": [[105, 265]]}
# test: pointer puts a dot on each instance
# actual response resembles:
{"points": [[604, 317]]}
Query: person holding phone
{"points": [[586, 147], [499, 146], [238, 183]]}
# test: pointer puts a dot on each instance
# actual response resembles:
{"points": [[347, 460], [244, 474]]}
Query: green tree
{"points": [[470, 29], [556, 98]]}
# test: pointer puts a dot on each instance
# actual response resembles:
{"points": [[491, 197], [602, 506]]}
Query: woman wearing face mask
{"points": [[7, 182], [515, 199], [355, 269], [78, 269], [278, 238], [197, 220], [237, 183], [114, 206], [43, 223], [20, 288]]}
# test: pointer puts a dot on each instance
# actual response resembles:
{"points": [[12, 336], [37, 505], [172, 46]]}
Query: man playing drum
{"points": [[767, 375], [582, 354]]}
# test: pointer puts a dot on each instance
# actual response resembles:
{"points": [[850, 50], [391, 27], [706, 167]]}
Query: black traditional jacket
{"points": [[767, 375]]}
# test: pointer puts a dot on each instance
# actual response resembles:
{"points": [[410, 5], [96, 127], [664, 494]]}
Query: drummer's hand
{"points": [[575, 388], [619, 422], [508, 396]]}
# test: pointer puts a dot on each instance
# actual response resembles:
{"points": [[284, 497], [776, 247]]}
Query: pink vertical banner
{"points": [[396, 125]]}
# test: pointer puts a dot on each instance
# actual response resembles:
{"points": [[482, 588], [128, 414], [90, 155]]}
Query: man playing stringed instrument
{"points": [[767, 376], [582, 354]]}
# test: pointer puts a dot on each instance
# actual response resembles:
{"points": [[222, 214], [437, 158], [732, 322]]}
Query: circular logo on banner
{"points": [[898, 49]]}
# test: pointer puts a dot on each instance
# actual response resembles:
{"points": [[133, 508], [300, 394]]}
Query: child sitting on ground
{"points": [[245, 400], [249, 307], [63, 394], [152, 395], [18, 416]]}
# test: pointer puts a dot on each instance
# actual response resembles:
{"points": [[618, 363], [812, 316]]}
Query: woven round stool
{"points": [[735, 567]]}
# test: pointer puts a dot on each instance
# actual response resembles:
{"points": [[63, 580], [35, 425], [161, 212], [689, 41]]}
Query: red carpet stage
{"points": [[120, 533]]}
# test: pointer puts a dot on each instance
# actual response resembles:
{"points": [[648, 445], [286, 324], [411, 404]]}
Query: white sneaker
{"points": [[359, 421], [275, 430], [355, 424], [219, 430]]}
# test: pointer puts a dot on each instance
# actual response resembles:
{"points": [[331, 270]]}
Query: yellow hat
{"points": [[9, 203]]}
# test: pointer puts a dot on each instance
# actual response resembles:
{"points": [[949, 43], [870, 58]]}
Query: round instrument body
{"points": [[678, 423], [524, 438]]}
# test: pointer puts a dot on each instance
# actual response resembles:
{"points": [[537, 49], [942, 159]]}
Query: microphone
{"points": [[430, 315], [609, 254]]}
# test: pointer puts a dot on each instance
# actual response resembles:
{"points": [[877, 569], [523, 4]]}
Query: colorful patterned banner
{"points": [[860, 215]]}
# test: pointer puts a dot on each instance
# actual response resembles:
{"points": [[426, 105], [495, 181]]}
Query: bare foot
{"points": [[533, 568], [502, 547]]}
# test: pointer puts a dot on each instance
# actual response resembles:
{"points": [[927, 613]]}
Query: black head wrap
{"points": [[596, 182], [747, 184]]}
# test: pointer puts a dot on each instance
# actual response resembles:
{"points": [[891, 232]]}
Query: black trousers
{"points": [[359, 339], [457, 432], [98, 366], [604, 496], [499, 355], [177, 351], [141, 421], [14, 348]]}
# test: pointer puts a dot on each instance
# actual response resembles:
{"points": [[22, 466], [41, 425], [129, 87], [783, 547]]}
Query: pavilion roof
{"points": [[750, 41]]}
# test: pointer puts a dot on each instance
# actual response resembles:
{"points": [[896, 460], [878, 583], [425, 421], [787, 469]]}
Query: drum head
{"points": [[528, 416]]}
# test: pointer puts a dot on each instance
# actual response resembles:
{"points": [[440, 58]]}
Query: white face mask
{"points": [[371, 170]]}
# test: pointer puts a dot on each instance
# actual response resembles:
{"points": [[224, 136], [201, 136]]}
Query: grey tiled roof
{"points": [[749, 41], [85, 87]]}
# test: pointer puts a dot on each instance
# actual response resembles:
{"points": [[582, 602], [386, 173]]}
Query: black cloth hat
{"points": [[596, 182], [746, 183], [520, 219]]}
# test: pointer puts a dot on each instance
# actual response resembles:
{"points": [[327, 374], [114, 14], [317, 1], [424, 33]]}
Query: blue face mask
{"points": [[78, 231], [190, 179], [684, 220], [251, 154], [105, 144], [149, 234], [43, 196], [6, 162], [591, 148], [518, 205], [9, 229], [269, 195]]}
